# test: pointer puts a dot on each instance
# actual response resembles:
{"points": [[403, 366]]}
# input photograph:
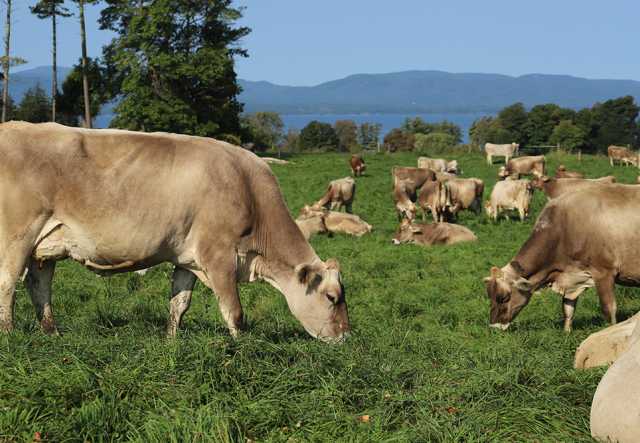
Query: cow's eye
{"points": [[332, 298], [503, 298]]}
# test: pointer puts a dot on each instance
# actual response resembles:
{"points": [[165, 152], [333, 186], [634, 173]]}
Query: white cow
{"points": [[510, 194], [507, 151]]}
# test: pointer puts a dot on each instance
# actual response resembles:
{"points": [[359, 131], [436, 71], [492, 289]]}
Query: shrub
{"points": [[434, 143]]}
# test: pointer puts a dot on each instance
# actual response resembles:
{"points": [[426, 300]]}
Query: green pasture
{"points": [[422, 364]]}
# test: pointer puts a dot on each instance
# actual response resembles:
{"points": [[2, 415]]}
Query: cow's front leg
{"points": [[182, 285], [11, 267], [568, 309], [605, 286], [221, 278], [38, 283]]}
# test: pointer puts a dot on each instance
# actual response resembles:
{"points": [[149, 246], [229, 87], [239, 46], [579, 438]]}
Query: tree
{"points": [[173, 64], [416, 126], [399, 140], [35, 106], [514, 119], [434, 143], [489, 129], [347, 132], [540, 123], [449, 128], [290, 143], [318, 136], [45, 9], [369, 135], [614, 122], [568, 135], [7, 62], [85, 62], [72, 102], [264, 129]]}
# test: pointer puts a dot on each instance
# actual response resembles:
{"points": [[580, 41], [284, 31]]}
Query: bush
{"points": [[399, 140], [318, 136], [434, 143], [567, 135]]}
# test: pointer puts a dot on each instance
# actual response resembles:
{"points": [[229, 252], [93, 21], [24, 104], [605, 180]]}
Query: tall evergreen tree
{"points": [[45, 9], [35, 106], [173, 65], [84, 61]]}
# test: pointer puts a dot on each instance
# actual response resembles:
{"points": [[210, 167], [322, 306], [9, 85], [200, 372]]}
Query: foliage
{"points": [[614, 122], [399, 140], [422, 362], [48, 8], [513, 119], [263, 129], [290, 143], [13, 61], [433, 143], [11, 108], [318, 136], [173, 63], [35, 106], [369, 135], [489, 129], [419, 126], [347, 133], [71, 100], [568, 135]]}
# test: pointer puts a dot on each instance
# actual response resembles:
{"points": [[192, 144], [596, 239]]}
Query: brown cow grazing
{"points": [[438, 164], [339, 193], [314, 221], [529, 165], [622, 155], [406, 182], [434, 196], [403, 203], [561, 172], [464, 193], [432, 234], [571, 252], [555, 187], [510, 195], [357, 165], [212, 209]]}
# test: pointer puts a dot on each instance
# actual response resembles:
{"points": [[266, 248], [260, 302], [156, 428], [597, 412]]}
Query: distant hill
{"points": [[431, 91], [400, 92]]}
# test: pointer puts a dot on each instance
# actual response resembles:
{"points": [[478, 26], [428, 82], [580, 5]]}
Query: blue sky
{"points": [[304, 42]]}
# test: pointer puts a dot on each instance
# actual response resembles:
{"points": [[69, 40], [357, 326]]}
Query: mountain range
{"points": [[402, 92]]}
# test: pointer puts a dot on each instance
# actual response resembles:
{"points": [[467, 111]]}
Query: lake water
{"points": [[388, 121]]}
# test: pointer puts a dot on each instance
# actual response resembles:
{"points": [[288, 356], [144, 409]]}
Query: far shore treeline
{"points": [[171, 67]]}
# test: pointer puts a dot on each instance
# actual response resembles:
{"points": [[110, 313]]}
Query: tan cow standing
{"points": [[464, 194], [622, 155], [506, 150], [357, 165], [118, 201], [319, 221], [434, 196], [432, 234], [339, 193], [406, 183], [529, 165], [438, 165], [510, 195]]}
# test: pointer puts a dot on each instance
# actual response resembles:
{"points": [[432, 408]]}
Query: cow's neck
{"points": [[536, 259]]}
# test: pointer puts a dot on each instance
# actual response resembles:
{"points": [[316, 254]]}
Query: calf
{"points": [[357, 165], [555, 187], [507, 151], [438, 164], [561, 172], [510, 195], [533, 165], [622, 155], [432, 234], [340, 193], [434, 196], [464, 193], [319, 221]]}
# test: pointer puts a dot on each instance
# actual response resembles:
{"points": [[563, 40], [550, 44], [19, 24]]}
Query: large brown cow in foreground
{"points": [[339, 193], [555, 187], [578, 242], [510, 195], [529, 165], [432, 234], [119, 201], [622, 155], [357, 165]]}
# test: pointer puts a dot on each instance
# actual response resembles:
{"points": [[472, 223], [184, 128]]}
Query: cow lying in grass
{"points": [[313, 221], [432, 234]]}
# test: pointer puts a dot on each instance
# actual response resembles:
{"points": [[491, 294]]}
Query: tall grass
{"points": [[422, 363]]}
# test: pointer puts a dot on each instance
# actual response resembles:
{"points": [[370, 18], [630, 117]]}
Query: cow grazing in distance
{"points": [[432, 234], [464, 193], [212, 209], [403, 203], [333, 222], [529, 165], [434, 196], [555, 187], [561, 172], [510, 195], [438, 165], [622, 155], [339, 193], [506, 150], [578, 242], [357, 165]]}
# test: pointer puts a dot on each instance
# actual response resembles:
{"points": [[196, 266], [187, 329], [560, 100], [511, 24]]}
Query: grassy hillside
{"points": [[422, 363]]}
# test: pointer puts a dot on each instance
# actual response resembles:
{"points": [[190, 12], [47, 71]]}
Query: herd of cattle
{"points": [[215, 211]]}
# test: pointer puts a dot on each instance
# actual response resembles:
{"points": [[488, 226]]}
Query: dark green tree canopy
{"points": [[263, 129], [514, 119], [48, 8], [347, 132], [318, 136], [35, 106], [369, 134], [71, 100], [399, 140]]}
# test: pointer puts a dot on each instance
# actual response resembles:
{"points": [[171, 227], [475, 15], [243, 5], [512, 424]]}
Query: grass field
{"points": [[422, 363]]}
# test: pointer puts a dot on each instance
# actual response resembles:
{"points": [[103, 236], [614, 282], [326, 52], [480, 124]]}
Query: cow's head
{"points": [[405, 232], [316, 298], [561, 168], [452, 167], [538, 182], [503, 173], [406, 210], [508, 294]]}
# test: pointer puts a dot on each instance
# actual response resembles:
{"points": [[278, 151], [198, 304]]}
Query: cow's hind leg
{"points": [[181, 289], [605, 285], [38, 283], [568, 309]]}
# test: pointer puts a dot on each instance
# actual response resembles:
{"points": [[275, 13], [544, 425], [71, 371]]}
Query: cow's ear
{"points": [[496, 272], [307, 273], [332, 263], [523, 285]]}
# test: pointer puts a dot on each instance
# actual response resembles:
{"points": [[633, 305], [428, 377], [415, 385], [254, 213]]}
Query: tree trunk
{"points": [[85, 79], [54, 80], [7, 36]]}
